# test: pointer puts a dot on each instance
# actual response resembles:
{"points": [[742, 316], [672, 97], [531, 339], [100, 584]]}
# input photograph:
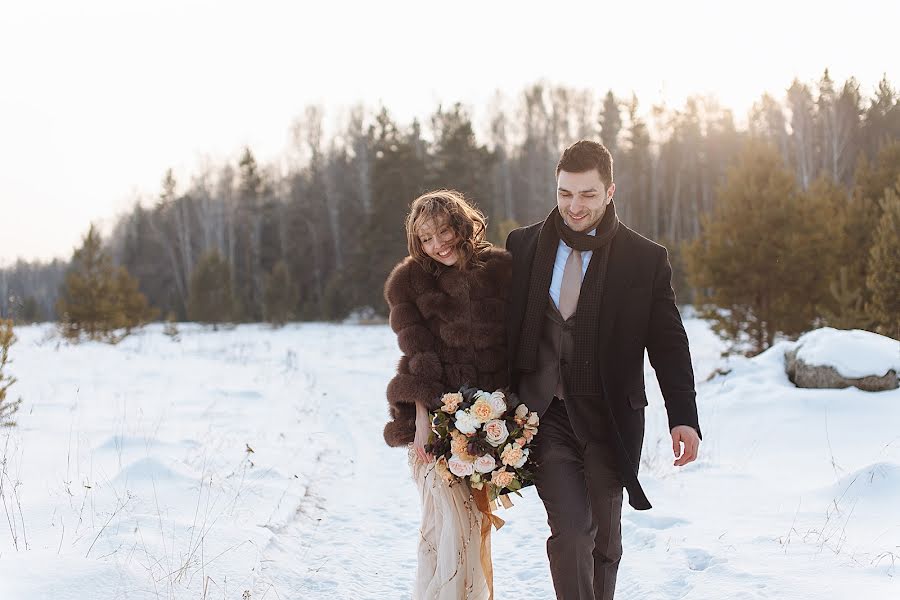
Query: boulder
{"points": [[838, 358], [805, 375]]}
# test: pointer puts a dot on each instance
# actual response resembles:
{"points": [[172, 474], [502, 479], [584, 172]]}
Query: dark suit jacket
{"points": [[638, 311]]}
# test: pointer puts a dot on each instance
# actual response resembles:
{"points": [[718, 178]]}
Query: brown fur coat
{"points": [[451, 330]]}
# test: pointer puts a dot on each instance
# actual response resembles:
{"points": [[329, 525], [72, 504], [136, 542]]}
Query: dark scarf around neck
{"points": [[583, 380]]}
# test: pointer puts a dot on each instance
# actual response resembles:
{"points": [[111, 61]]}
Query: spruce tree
{"points": [[7, 408], [884, 266], [281, 295], [610, 123], [98, 298], [846, 309], [211, 299], [758, 264], [247, 231], [130, 307]]}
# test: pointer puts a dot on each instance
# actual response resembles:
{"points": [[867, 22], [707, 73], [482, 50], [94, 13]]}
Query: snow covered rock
{"points": [[832, 358]]}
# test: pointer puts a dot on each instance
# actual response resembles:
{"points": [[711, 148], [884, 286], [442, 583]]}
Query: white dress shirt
{"points": [[562, 254]]}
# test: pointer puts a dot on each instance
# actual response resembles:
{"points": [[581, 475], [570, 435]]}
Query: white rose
{"points": [[459, 467], [496, 432], [466, 423], [498, 404], [481, 395], [485, 464], [521, 411]]}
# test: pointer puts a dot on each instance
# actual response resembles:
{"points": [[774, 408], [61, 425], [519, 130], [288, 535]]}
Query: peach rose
{"points": [[458, 442], [441, 467], [514, 456], [502, 478], [482, 410], [451, 402]]}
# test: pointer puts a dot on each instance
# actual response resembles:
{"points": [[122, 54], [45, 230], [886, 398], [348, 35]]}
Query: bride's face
{"points": [[439, 240]]}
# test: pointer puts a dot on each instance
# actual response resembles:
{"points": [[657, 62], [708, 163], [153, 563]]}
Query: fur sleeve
{"points": [[419, 372]]}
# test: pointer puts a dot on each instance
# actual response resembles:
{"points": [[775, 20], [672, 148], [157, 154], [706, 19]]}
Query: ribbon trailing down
{"points": [[485, 505]]}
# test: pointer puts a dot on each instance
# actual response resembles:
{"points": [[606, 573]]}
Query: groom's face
{"points": [[582, 198]]}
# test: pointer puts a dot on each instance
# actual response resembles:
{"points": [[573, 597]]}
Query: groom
{"points": [[588, 296]]}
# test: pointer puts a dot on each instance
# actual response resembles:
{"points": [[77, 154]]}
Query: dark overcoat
{"points": [[637, 312]]}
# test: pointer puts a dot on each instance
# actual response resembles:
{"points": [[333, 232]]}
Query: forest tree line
{"points": [[316, 241]]}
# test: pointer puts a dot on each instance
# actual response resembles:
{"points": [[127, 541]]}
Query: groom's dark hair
{"points": [[585, 155]]}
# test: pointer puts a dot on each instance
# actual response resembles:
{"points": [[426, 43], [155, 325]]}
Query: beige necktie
{"points": [[571, 285]]}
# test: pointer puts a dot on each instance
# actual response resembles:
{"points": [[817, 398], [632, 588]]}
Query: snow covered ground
{"points": [[250, 463]]}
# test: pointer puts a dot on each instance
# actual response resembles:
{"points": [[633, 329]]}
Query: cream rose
{"points": [[482, 410], [460, 467], [498, 404], [485, 464], [496, 432]]}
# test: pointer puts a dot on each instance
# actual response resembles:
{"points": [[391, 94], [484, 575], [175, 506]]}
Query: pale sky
{"points": [[99, 98]]}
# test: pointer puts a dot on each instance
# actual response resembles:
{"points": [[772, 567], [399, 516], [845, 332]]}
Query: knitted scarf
{"points": [[583, 379]]}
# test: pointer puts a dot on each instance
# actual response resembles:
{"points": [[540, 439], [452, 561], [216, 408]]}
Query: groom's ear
{"points": [[611, 191]]}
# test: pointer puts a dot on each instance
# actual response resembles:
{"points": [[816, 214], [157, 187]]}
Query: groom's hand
{"points": [[686, 435]]}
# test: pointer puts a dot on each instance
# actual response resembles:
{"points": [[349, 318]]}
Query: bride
{"points": [[447, 304]]}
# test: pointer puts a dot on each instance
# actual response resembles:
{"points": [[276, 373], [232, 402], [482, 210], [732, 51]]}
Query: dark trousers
{"points": [[582, 492]]}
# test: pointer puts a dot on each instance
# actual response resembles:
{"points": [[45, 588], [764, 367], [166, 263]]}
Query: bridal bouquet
{"points": [[483, 439]]}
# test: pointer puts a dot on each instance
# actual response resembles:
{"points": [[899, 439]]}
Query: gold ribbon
{"points": [[485, 506]]}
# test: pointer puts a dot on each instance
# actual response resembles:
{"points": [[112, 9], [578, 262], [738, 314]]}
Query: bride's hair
{"points": [[468, 223]]}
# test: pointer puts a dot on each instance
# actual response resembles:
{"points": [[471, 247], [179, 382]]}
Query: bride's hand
{"points": [[423, 430]]}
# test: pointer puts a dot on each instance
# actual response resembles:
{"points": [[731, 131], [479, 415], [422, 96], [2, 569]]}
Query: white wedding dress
{"points": [[449, 551]]}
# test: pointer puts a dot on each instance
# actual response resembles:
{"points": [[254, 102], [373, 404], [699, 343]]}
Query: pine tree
{"points": [[131, 307], [7, 408], [758, 264], [861, 213], [211, 299], [458, 161], [884, 266], [881, 120], [847, 309], [281, 295], [98, 298], [398, 176], [610, 124], [248, 241]]}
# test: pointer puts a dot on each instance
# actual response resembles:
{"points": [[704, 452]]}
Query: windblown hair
{"points": [[585, 155], [468, 223]]}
